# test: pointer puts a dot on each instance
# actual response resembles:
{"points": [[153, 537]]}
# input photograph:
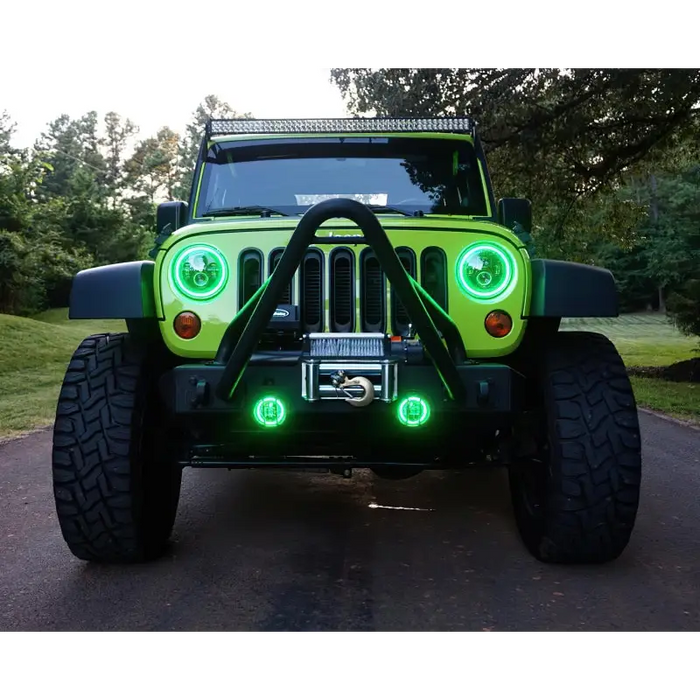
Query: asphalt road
{"points": [[281, 551]]}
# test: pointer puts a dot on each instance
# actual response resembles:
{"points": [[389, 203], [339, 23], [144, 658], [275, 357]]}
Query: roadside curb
{"points": [[22, 436], [669, 419]]}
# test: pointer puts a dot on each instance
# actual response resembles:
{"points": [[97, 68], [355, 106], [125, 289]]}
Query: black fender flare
{"points": [[122, 290], [563, 289]]}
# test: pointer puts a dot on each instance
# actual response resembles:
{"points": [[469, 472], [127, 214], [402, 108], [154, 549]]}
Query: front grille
{"points": [[250, 274], [347, 274], [341, 312], [275, 257], [312, 300], [400, 320], [433, 274], [372, 293]]}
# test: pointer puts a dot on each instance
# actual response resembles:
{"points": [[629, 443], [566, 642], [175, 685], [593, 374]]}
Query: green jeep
{"points": [[344, 293]]}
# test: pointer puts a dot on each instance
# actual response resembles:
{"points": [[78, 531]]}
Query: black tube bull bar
{"points": [[428, 318]]}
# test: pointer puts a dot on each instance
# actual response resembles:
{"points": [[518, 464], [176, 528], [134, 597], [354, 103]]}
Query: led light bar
{"points": [[457, 125]]}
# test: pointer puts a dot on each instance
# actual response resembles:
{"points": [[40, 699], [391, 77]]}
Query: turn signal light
{"points": [[187, 325], [498, 324]]}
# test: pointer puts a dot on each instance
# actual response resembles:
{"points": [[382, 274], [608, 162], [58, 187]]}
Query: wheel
{"points": [[115, 486], [577, 501]]}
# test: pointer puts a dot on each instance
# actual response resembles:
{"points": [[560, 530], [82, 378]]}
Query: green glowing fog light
{"points": [[413, 411], [269, 412], [199, 272], [485, 270]]}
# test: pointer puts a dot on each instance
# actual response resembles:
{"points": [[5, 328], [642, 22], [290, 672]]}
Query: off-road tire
{"points": [[115, 485], [577, 501]]}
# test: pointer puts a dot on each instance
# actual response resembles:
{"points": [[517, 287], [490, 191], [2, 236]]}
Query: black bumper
{"points": [[191, 391]]}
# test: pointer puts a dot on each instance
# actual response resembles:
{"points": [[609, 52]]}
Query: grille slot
{"points": [[342, 291], [275, 257], [250, 274], [399, 316], [433, 274], [372, 293], [312, 302]]}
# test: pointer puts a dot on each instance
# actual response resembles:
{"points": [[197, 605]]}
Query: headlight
{"points": [[485, 270], [199, 272]]}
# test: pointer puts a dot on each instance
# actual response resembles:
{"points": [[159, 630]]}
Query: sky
{"points": [[156, 96]]}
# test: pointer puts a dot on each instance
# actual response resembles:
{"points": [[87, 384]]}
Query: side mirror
{"points": [[515, 213], [170, 216]]}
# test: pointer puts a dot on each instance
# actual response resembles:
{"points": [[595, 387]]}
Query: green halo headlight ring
{"points": [[199, 272], [485, 270]]}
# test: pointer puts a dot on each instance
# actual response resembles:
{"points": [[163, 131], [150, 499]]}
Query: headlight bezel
{"points": [[180, 287], [507, 259]]}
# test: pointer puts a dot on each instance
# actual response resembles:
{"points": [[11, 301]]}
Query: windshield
{"points": [[432, 176]]}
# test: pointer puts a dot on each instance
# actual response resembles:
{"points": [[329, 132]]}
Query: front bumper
{"points": [[190, 391]]}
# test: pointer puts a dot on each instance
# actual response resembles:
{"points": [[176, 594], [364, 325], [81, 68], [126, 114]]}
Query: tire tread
{"points": [[96, 488]]}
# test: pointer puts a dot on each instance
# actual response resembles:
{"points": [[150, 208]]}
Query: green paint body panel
{"points": [[450, 233]]}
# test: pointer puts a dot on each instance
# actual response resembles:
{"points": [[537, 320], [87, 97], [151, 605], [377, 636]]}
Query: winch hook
{"points": [[341, 381]]}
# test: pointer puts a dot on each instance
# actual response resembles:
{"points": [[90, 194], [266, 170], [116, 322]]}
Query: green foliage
{"points": [[153, 169], [549, 131], [70, 145], [117, 135], [79, 198], [684, 307], [7, 129]]}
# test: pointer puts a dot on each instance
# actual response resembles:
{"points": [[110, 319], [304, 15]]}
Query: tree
{"points": [[35, 257], [684, 307], [106, 233], [673, 231], [117, 135], [7, 130], [69, 145], [153, 167], [674, 254]]}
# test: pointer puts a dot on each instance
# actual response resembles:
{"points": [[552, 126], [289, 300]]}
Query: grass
{"points": [[34, 353], [33, 358], [649, 340], [643, 340], [677, 399]]}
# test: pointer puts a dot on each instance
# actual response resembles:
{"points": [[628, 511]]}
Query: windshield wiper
{"points": [[251, 209], [381, 209]]}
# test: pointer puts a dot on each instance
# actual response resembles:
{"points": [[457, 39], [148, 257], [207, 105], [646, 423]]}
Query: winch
{"points": [[354, 367]]}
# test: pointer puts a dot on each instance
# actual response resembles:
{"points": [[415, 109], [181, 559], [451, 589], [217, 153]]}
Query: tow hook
{"points": [[340, 381]]}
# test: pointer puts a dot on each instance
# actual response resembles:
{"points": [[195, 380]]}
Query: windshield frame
{"points": [[216, 148]]}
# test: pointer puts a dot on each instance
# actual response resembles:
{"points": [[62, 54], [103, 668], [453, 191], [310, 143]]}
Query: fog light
{"points": [[269, 412], [498, 324], [413, 411], [187, 325]]}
